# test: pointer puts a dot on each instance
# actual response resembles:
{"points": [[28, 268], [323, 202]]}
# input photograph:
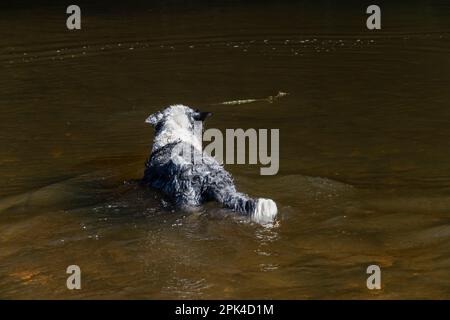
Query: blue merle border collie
{"points": [[187, 181]]}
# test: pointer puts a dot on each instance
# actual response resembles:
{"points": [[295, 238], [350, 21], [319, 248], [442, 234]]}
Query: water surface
{"points": [[364, 150]]}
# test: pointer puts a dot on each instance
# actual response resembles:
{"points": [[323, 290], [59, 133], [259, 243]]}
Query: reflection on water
{"points": [[365, 158]]}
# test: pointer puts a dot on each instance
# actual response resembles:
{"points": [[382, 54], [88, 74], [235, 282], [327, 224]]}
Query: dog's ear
{"points": [[155, 118], [201, 116]]}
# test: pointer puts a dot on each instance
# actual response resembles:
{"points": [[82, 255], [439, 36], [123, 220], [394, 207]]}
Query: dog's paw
{"points": [[265, 211]]}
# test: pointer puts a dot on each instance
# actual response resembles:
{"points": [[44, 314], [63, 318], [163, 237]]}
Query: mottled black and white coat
{"points": [[191, 183]]}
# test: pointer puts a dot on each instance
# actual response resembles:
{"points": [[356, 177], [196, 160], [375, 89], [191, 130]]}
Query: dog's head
{"points": [[178, 115], [176, 122]]}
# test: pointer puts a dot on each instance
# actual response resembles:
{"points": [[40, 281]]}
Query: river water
{"points": [[364, 149]]}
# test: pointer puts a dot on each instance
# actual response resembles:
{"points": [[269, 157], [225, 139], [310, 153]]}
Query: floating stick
{"points": [[269, 99]]}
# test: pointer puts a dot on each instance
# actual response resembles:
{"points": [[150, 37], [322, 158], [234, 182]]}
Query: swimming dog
{"points": [[186, 180]]}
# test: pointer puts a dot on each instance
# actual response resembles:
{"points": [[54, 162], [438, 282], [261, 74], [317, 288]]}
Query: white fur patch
{"points": [[265, 211], [177, 127]]}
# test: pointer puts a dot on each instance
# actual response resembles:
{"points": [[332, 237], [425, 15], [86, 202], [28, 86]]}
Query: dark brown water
{"points": [[364, 158]]}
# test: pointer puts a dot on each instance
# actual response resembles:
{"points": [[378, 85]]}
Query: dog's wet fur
{"points": [[191, 183]]}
